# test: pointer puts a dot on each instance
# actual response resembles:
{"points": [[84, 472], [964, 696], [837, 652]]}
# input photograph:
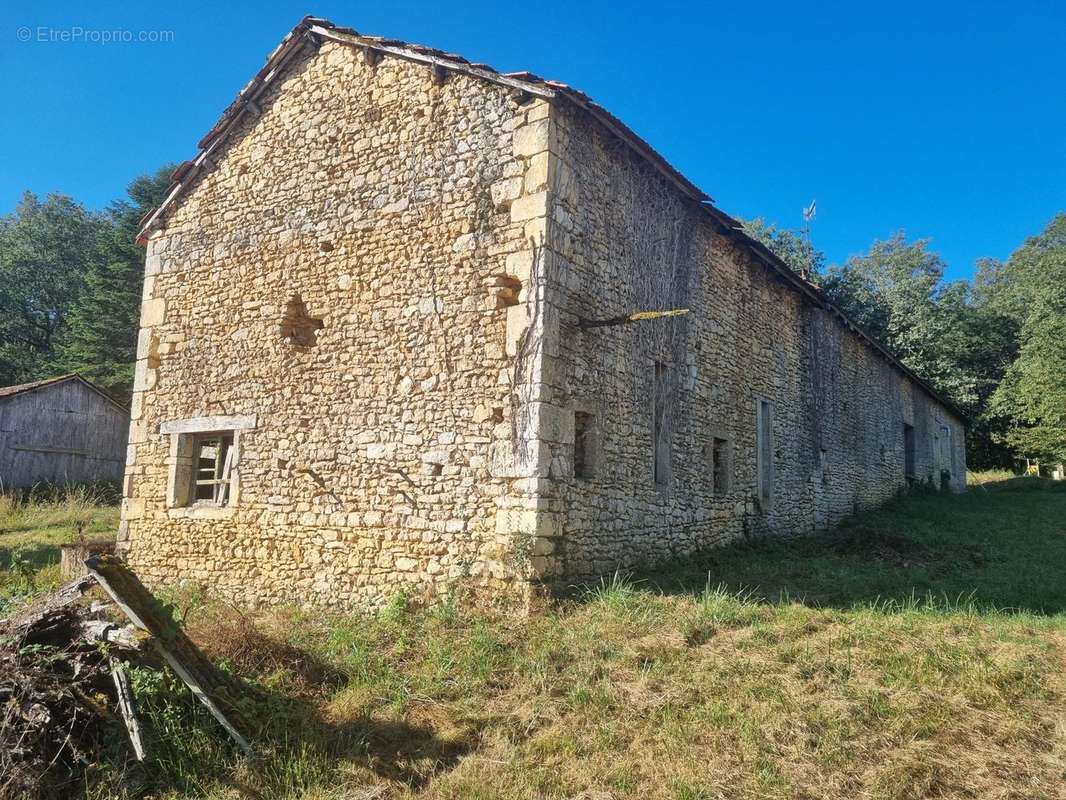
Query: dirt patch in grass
{"points": [[891, 548]]}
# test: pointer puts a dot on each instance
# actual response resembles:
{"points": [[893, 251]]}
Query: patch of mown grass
{"points": [[1000, 545]]}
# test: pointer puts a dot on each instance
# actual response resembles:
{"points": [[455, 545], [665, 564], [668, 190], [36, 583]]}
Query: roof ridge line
{"points": [[319, 28], [22, 388]]}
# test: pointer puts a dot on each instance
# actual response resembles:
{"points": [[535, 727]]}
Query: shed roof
{"points": [[317, 29], [23, 388]]}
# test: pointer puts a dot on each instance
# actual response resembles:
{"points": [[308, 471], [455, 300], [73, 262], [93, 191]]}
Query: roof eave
{"points": [[315, 29], [47, 383]]}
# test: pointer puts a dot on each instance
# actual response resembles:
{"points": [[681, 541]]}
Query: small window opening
{"points": [[584, 446], [908, 450], [212, 468], [661, 432], [720, 465], [507, 290], [298, 326], [765, 453]]}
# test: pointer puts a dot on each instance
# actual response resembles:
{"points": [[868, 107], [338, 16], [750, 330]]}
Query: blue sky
{"points": [[946, 119]]}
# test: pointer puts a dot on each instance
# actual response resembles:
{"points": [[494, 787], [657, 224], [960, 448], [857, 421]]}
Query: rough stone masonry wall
{"points": [[623, 239], [395, 451]]}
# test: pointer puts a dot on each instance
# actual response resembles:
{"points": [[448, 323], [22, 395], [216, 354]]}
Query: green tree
{"points": [[45, 249], [1031, 289], [103, 323], [1033, 392], [1012, 287], [989, 346], [790, 246]]}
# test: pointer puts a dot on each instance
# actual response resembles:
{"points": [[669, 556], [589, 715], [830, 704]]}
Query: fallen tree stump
{"points": [[72, 556]]}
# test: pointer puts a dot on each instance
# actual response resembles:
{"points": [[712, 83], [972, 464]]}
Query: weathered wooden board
{"points": [[61, 433]]}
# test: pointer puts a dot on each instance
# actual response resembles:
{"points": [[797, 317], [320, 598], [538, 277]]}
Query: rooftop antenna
{"points": [[808, 215]]}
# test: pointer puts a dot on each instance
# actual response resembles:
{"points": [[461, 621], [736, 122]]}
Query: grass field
{"points": [[919, 652], [33, 528]]}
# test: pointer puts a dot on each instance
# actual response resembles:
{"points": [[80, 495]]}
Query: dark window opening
{"points": [[765, 453], [584, 446], [212, 467], [661, 433], [720, 465], [908, 450]]}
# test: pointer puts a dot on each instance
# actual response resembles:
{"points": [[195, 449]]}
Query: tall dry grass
{"points": [[927, 664]]}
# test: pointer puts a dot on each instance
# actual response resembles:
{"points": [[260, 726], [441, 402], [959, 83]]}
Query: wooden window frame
{"points": [[186, 439], [222, 470]]}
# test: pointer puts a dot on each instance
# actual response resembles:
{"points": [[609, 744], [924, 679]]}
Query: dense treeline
{"points": [[70, 284]]}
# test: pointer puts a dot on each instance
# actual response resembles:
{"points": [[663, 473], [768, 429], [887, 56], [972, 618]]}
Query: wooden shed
{"points": [[61, 430]]}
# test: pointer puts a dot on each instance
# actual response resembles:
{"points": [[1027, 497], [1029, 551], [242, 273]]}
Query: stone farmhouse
{"points": [[381, 349]]}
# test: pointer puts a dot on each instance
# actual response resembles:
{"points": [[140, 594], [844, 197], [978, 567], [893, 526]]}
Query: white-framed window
{"points": [[205, 461]]}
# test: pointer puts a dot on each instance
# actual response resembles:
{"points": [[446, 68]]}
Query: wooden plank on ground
{"points": [[216, 690], [125, 706]]}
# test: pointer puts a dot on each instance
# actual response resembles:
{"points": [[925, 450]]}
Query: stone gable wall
{"points": [[401, 211], [626, 239]]}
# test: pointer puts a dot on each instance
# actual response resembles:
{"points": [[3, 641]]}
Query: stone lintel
{"points": [[206, 424]]}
